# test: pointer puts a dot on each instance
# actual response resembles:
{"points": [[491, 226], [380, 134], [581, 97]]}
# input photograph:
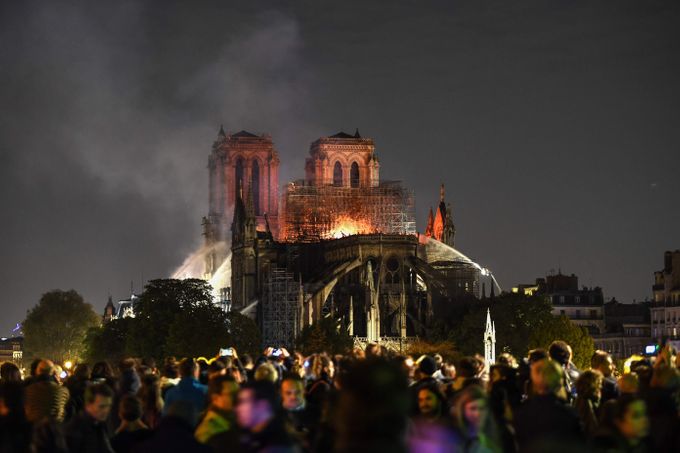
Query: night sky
{"points": [[555, 126]]}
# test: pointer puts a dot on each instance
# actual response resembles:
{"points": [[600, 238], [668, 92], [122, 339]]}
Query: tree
{"points": [[56, 328], [108, 342], [198, 330], [244, 334], [515, 316], [324, 335], [561, 328], [160, 305], [522, 323], [446, 349]]}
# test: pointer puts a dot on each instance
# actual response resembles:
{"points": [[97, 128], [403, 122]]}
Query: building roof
{"points": [[243, 133], [342, 134]]}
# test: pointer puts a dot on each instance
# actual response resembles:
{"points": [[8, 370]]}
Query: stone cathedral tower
{"points": [[239, 162]]}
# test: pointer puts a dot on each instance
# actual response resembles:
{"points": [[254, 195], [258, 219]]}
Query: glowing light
{"points": [[68, 364], [346, 226]]}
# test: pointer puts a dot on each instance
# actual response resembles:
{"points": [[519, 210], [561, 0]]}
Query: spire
{"points": [[489, 340], [356, 133], [430, 224], [221, 133], [441, 193]]}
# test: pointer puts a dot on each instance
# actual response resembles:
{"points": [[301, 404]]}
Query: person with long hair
{"points": [[475, 424], [152, 402], [432, 405], [588, 391], [9, 372]]}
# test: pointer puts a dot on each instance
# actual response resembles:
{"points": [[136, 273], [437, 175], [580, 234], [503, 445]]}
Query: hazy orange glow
{"points": [[346, 226]]}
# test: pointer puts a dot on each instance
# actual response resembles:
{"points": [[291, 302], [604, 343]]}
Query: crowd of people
{"points": [[370, 400]]}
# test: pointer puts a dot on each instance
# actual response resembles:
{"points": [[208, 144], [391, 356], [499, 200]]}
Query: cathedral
{"points": [[341, 242]]}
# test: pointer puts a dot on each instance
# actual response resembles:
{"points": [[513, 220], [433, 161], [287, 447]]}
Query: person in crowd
{"points": [[476, 428], [372, 409], [128, 382], [507, 359], [504, 394], [203, 371], [103, 373], [15, 431], [372, 350], [175, 434], [424, 368], [544, 420], [45, 397], [295, 408], [9, 372], [629, 428], [431, 404], [257, 414], [524, 370], [188, 389], [33, 368], [170, 376], [561, 353], [602, 361], [87, 432], [663, 408], [218, 427], [266, 372], [588, 388], [216, 368], [132, 429], [319, 388], [468, 371], [628, 384], [248, 366], [76, 385], [148, 366], [152, 402], [439, 361]]}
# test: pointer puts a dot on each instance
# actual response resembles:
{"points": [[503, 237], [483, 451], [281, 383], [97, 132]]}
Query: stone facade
{"points": [[239, 163]]}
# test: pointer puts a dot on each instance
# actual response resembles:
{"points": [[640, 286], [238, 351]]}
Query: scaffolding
{"points": [[281, 309], [312, 213]]}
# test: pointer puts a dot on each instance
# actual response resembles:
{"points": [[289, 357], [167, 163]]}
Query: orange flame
{"points": [[346, 226]]}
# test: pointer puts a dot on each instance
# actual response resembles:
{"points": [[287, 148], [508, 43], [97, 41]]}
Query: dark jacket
{"points": [[274, 437], [610, 389], [45, 398], [173, 435], [543, 422], [85, 434], [76, 387], [608, 441], [125, 441]]}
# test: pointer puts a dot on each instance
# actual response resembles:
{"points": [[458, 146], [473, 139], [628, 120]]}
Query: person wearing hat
{"points": [[425, 368]]}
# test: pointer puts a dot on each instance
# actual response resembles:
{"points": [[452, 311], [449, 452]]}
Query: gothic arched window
{"points": [[239, 177], [337, 175], [255, 181], [354, 175]]}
